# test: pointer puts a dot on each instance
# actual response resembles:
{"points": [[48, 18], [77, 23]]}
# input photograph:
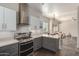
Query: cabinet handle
{"points": [[5, 26], [2, 26]]}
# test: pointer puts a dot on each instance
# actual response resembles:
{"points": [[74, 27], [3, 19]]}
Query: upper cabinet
{"points": [[1, 17], [23, 14], [10, 19], [35, 23], [7, 19]]}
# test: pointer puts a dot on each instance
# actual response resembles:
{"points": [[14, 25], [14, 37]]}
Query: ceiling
{"points": [[36, 6], [61, 11]]}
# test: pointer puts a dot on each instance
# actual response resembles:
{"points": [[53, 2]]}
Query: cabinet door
{"points": [[10, 19], [45, 42], [35, 22], [37, 43], [1, 17], [51, 44], [9, 50]]}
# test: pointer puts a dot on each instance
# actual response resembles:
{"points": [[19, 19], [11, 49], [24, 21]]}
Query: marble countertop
{"points": [[51, 36], [40, 35], [8, 41]]}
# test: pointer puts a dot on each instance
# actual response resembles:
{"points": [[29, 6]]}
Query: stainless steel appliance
{"points": [[25, 47]]}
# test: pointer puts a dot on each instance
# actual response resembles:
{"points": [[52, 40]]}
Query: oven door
{"points": [[26, 48]]}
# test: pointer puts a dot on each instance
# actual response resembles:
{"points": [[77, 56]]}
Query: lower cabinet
{"points": [[51, 43], [37, 43], [9, 50], [46, 42]]}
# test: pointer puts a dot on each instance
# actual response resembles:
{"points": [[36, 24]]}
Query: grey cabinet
{"points": [[9, 50], [51, 43], [37, 43], [47, 43]]}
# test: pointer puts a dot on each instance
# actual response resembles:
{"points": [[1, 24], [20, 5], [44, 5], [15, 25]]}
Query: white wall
{"points": [[72, 28], [13, 6], [69, 26]]}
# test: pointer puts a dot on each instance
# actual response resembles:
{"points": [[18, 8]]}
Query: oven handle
{"points": [[24, 43]]}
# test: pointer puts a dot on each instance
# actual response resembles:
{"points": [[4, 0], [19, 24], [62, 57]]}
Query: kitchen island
{"points": [[53, 43]]}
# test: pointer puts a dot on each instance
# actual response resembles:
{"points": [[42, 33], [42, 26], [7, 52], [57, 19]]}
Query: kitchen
{"points": [[25, 30]]}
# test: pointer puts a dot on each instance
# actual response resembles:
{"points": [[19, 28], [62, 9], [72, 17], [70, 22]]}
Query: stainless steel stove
{"points": [[25, 45]]}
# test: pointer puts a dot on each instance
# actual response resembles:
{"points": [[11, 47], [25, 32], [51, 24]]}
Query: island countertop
{"points": [[51, 36]]}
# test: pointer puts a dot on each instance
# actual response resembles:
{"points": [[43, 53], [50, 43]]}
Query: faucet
{"points": [[30, 34]]}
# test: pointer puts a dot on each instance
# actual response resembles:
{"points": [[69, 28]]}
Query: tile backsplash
{"points": [[25, 29], [6, 35], [22, 29]]}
